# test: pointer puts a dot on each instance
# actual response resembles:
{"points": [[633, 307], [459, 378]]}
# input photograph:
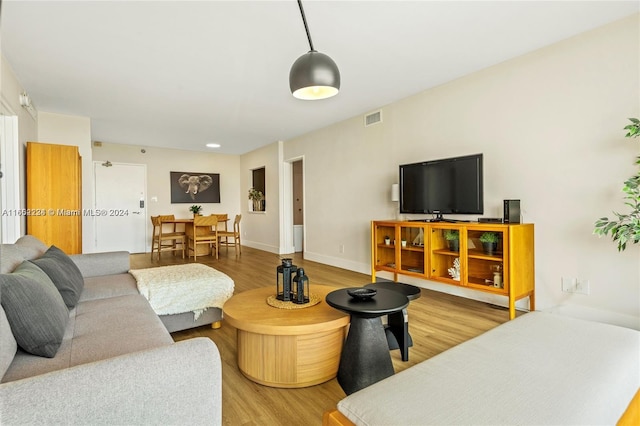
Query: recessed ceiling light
{"points": [[213, 145]]}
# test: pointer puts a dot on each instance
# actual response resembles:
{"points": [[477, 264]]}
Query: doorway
{"points": [[10, 220], [298, 206], [120, 206]]}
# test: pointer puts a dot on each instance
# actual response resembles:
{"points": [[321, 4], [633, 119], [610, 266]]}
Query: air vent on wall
{"points": [[373, 118]]}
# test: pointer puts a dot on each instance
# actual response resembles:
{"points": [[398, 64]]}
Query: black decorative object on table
{"points": [[365, 357], [361, 293], [283, 280], [301, 287]]}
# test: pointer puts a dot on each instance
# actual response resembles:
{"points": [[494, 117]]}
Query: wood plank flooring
{"points": [[437, 322]]}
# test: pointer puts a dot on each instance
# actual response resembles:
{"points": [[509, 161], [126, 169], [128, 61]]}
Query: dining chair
{"points": [[165, 236], [222, 221], [204, 231], [233, 235]]}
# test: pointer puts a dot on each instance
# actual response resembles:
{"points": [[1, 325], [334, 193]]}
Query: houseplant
{"points": [[453, 239], [195, 209], [627, 226], [489, 242], [256, 196]]}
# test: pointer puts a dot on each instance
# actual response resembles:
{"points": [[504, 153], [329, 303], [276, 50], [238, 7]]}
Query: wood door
{"points": [[120, 207], [54, 205]]}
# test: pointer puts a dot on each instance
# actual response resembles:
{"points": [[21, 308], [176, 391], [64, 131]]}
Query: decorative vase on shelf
{"points": [[490, 248], [489, 242], [452, 236], [257, 198], [497, 279]]}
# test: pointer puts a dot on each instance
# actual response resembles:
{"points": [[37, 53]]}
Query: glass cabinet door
{"points": [[384, 247], [446, 262], [412, 252], [486, 259]]}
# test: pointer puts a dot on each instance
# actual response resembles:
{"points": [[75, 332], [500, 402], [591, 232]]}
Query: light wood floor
{"points": [[437, 321]]}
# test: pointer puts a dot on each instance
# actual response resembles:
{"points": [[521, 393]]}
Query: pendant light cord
{"points": [[306, 27]]}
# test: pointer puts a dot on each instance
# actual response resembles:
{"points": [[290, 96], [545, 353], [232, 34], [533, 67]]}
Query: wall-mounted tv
{"points": [[446, 186]]}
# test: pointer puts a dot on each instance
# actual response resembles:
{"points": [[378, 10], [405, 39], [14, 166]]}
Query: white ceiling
{"points": [[180, 74]]}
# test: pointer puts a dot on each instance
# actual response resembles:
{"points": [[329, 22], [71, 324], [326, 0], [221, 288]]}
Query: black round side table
{"points": [[365, 357], [397, 330]]}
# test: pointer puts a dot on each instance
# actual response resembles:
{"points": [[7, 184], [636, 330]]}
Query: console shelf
{"points": [[426, 254]]}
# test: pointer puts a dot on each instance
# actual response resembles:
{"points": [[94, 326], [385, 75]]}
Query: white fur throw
{"points": [[183, 288]]}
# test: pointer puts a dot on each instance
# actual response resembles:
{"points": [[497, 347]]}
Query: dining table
{"points": [[203, 249]]}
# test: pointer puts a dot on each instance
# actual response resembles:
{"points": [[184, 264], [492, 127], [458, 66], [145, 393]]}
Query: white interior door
{"points": [[11, 216], [120, 207]]}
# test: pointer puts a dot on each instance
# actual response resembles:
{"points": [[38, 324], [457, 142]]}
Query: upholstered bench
{"points": [[185, 296]]}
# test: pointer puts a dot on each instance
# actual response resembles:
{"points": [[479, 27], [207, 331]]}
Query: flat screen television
{"points": [[446, 186]]}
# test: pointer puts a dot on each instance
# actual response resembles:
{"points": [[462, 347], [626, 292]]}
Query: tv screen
{"points": [[446, 186]]}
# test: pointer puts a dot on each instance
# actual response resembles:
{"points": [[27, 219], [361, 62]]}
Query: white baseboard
{"points": [[338, 262], [598, 315], [261, 246]]}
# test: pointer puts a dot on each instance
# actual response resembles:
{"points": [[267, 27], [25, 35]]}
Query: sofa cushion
{"points": [[108, 286], [117, 325], [29, 241], [12, 255], [98, 329], [35, 310], [8, 345], [100, 264], [64, 273]]}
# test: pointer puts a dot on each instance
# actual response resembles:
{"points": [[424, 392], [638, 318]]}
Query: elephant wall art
{"points": [[195, 187]]}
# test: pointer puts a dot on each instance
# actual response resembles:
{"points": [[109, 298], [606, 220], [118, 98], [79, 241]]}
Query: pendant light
{"points": [[313, 75]]}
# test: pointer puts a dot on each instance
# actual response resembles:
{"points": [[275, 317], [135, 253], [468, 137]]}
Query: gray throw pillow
{"points": [[8, 345], [64, 273], [34, 308]]}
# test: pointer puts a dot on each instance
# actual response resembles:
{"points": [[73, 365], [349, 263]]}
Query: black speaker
{"points": [[511, 211]]}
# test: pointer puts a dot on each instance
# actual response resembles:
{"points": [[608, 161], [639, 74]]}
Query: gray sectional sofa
{"points": [[113, 361], [541, 368]]}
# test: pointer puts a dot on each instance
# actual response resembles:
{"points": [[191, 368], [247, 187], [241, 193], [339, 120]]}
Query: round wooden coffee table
{"points": [[286, 348]]}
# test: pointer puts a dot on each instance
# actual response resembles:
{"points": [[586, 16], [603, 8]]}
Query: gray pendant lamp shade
{"points": [[313, 75]]}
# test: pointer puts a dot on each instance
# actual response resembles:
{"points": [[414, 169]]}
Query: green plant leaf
{"points": [[627, 226]]}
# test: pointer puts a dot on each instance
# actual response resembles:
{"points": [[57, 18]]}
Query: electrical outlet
{"points": [[341, 248], [575, 285], [568, 285], [582, 286]]}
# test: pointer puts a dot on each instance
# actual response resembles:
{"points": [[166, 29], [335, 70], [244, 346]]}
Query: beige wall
{"points": [[10, 90], [550, 127], [74, 130], [160, 162], [549, 124], [262, 229]]}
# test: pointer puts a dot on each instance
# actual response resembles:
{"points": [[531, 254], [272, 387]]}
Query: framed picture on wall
{"points": [[191, 187]]}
